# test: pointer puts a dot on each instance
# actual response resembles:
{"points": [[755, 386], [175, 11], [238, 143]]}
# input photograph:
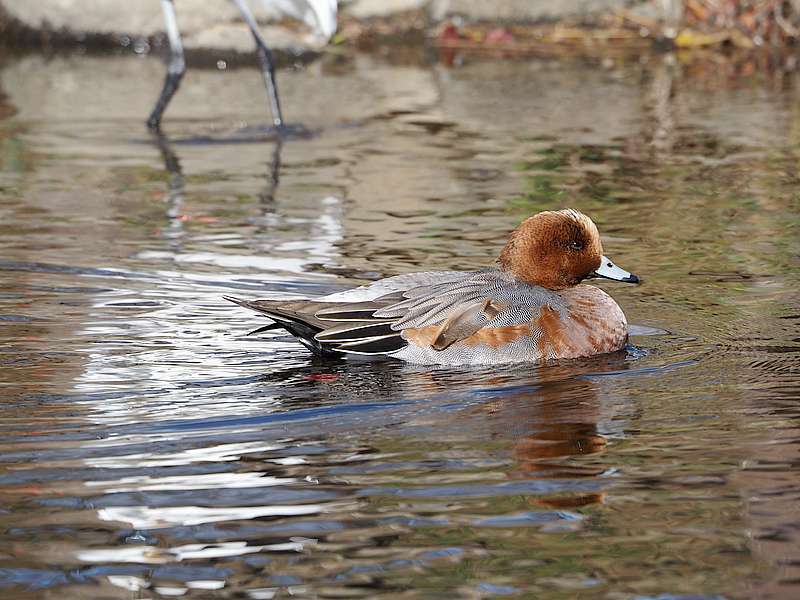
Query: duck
{"points": [[531, 306]]}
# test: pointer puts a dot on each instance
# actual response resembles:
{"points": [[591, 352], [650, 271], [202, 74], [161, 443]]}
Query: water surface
{"points": [[151, 450]]}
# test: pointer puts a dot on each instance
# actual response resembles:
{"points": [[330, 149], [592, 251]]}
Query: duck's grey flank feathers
{"points": [[460, 302]]}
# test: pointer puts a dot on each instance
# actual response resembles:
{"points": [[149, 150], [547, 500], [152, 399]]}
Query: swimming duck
{"points": [[529, 308]]}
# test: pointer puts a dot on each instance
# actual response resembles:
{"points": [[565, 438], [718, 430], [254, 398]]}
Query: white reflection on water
{"points": [[154, 555], [135, 584], [262, 593], [145, 517], [170, 591], [129, 582], [193, 482], [320, 247], [229, 261], [218, 453], [178, 346]]}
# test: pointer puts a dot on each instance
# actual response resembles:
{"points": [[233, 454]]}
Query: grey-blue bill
{"points": [[609, 270]]}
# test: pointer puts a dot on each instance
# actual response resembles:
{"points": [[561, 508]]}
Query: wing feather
{"points": [[465, 320], [352, 332], [375, 345], [371, 319]]}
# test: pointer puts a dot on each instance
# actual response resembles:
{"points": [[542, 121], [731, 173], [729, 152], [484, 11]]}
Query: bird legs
{"points": [[176, 67], [177, 64], [265, 58]]}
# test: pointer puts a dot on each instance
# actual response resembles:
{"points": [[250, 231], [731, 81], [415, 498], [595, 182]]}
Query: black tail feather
{"points": [[269, 327], [323, 333]]}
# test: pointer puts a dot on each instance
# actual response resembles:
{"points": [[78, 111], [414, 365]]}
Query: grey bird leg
{"points": [[176, 67], [267, 66]]}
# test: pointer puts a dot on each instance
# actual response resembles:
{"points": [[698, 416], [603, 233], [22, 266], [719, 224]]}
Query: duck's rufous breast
{"points": [[593, 324]]}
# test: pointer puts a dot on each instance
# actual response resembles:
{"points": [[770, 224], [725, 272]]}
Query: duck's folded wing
{"points": [[378, 336], [450, 309], [346, 322], [362, 337], [466, 320], [459, 309], [439, 303], [370, 327], [354, 328], [399, 284]]}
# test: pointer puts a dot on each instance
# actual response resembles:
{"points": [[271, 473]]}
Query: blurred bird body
{"points": [[319, 15]]}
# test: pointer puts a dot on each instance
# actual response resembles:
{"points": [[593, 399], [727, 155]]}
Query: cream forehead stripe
{"points": [[583, 220]]}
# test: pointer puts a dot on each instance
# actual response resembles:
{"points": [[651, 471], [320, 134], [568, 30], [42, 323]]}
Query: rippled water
{"points": [[151, 450]]}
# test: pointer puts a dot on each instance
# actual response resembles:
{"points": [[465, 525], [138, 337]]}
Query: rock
{"points": [[524, 11], [114, 17], [368, 9]]}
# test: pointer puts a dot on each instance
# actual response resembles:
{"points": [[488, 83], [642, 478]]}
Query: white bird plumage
{"points": [[319, 15]]}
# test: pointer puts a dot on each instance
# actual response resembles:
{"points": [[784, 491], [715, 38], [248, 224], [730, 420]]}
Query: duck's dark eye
{"points": [[576, 245]]}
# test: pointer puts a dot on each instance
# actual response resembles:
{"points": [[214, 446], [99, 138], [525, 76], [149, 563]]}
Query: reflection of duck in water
{"points": [[530, 308], [554, 427]]}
